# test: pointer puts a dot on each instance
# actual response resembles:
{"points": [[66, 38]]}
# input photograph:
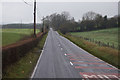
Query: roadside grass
{"points": [[24, 67], [105, 35], [10, 36], [105, 53]]}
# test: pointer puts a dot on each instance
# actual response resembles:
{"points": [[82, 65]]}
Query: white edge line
{"points": [[38, 61], [91, 54], [71, 63]]}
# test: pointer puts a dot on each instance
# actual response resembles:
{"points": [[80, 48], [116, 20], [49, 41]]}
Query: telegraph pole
{"points": [[35, 18], [43, 25]]}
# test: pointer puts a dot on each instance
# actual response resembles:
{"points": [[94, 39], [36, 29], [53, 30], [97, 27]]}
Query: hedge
{"points": [[13, 52]]}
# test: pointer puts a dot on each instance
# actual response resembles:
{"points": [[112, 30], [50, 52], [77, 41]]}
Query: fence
{"points": [[100, 43]]}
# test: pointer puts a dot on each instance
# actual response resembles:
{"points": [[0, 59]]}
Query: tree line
{"points": [[20, 26], [90, 21]]}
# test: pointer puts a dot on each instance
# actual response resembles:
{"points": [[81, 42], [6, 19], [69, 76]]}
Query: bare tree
{"points": [[89, 15], [66, 15]]}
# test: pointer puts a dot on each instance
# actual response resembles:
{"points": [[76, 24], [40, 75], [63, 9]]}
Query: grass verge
{"points": [[24, 67], [105, 53]]}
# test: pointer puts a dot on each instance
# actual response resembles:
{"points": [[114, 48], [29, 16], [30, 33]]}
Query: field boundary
{"points": [[98, 42], [13, 52]]}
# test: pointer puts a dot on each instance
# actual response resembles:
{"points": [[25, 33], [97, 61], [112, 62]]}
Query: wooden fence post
{"points": [[108, 44], [90, 39], [99, 43], [113, 45], [93, 39], [118, 46]]}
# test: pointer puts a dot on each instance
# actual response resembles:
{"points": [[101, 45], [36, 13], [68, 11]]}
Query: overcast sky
{"points": [[15, 12]]}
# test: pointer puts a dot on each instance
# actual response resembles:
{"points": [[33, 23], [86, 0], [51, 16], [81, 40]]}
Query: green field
{"points": [[106, 35], [10, 36]]}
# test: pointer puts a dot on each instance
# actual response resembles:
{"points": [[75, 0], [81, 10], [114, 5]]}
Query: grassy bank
{"points": [[107, 54], [10, 36], [105, 35], [24, 67]]}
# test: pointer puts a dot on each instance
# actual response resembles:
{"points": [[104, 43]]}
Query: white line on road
{"points": [[65, 54], [71, 63], [38, 61], [36, 65]]}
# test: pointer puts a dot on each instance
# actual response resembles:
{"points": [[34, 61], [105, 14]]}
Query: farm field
{"points": [[105, 35], [10, 36]]}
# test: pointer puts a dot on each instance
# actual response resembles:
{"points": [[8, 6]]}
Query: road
{"points": [[63, 59]]}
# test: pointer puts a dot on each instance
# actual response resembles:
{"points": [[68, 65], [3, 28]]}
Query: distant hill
{"points": [[20, 26]]}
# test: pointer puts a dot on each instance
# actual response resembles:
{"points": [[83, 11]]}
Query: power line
{"points": [[34, 15], [27, 3], [38, 12], [31, 5]]}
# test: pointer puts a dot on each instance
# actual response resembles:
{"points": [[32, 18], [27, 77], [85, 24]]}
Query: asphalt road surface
{"points": [[63, 59]]}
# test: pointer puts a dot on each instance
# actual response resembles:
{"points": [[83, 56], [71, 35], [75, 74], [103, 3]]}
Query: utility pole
{"points": [[35, 18], [43, 25]]}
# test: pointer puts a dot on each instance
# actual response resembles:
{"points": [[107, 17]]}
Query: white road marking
{"points": [[71, 63], [38, 61]]}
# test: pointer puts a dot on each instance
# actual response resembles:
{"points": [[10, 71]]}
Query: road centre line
{"points": [[71, 63]]}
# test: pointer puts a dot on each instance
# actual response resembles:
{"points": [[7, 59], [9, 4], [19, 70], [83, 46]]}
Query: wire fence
{"points": [[100, 43]]}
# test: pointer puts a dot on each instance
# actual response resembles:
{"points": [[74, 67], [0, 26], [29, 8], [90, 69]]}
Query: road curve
{"points": [[63, 59]]}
